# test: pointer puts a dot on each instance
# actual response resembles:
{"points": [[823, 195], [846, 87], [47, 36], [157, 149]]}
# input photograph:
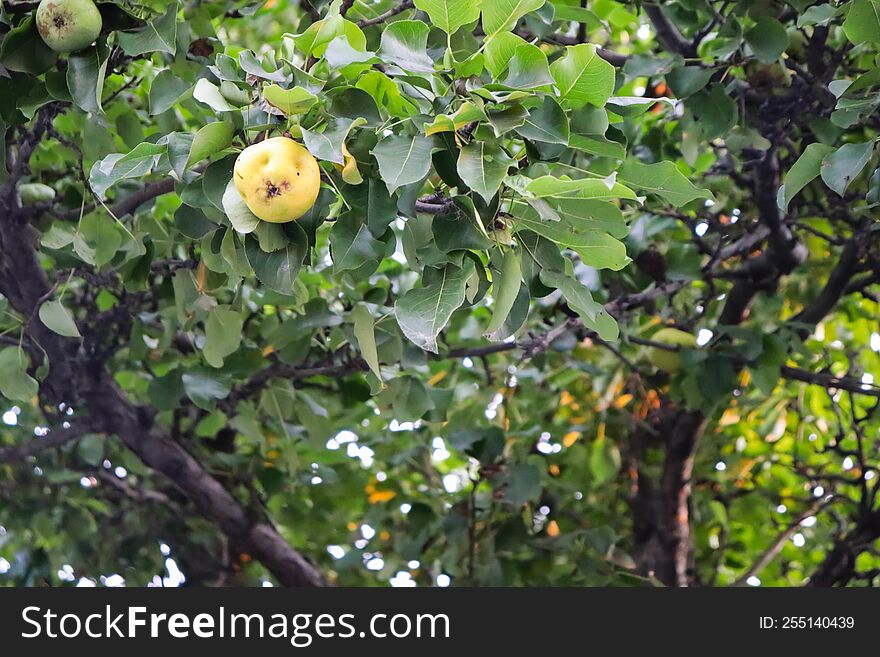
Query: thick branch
{"points": [[668, 33], [836, 286]]}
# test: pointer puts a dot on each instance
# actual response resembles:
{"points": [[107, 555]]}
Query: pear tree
{"points": [[549, 292]]}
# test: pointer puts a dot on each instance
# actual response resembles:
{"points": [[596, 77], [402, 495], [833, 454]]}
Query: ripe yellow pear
{"points": [[278, 179], [670, 361]]}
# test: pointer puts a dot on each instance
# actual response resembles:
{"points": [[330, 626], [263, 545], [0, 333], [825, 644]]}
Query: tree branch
{"points": [[55, 438], [668, 33], [778, 543], [830, 381], [381, 18]]}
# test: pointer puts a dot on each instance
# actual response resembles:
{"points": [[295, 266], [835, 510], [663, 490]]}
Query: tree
{"points": [[441, 372]]}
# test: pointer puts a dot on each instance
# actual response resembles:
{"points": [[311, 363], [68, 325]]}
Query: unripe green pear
{"points": [[670, 361], [68, 25]]}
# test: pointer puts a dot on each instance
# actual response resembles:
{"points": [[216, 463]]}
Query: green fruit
{"points": [[33, 193], [68, 25], [670, 361]]}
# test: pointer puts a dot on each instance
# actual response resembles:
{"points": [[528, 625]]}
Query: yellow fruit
{"points": [[670, 361], [278, 179]]}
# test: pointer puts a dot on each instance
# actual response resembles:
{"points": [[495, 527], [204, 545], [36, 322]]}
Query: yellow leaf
{"points": [[553, 470], [552, 529], [437, 378], [623, 400], [268, 350], [380, 496], [201, 277], [570, 438], [730, 416], [350, 172]]}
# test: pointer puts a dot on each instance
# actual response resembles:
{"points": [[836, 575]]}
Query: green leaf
{"points": [[166, 90], [503, 15], [485, 445], [85, 78], [409, 398], [23, 49], [583, 77], [592, 215], [179, 145], [596, 247], [264, 70], [505, 286], [386, 94], [340, 54], [159, 35], [222, 334], [404, 44], [210, 140], [595, 188], [449, 15], [840, 168], [768, 39], [423, 312], [242, 219], [527, 69], [204, 387], [16, 384], [863, 21], [461, 229], [500, 50], [353, 247], [290, 101], [483, 166], [403, 160], [523, 484], [578, 297], [210, 95], [546, 123], [597, 145], [804, 171], [817, 15], [602, 251], [604, 461], [135, 164], [687, 80], [57, 318], [663, 179], [271, 236], [365, 334], [715, 111], [97, 239], [278, 270], [315, 39], [327, 145]]}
